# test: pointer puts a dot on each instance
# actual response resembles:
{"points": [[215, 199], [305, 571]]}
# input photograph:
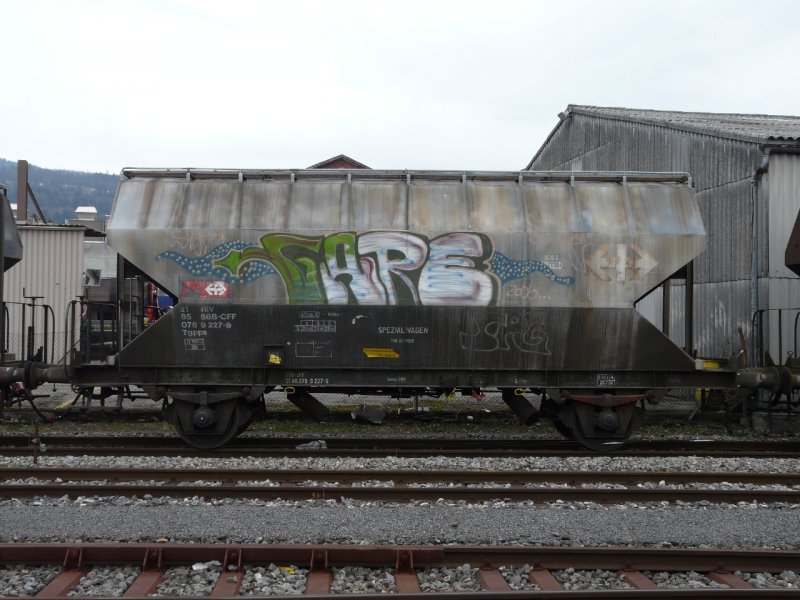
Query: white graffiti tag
{"points": [[450, 276]]}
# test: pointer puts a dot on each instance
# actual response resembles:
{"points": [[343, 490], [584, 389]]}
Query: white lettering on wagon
{"points": [[403, 330], [194, 344]]}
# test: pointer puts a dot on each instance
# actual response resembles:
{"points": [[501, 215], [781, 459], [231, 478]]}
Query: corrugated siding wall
{"points": [[720, 310], [51, 267], [784, 204], [783, 292], [721, 169]]}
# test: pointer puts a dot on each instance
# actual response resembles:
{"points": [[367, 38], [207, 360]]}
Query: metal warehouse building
{"points": [[51, 270], [746, 171]]}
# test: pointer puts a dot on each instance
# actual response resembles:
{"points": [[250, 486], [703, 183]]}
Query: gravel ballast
{"points": [[273, 580], [195, 580], [155, 516], [581, 579], [105, 581], [721, 526], [518, 578], [786, 579], [514, 463], [458, 579], [362, 580], [25, 580]]}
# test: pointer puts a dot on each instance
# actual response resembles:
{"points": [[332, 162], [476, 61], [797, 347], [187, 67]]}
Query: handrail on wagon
{"points": [[346, 175], [758, 351]]}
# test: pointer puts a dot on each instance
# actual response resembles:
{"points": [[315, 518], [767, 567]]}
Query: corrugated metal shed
{"points": [[725, 154], [51, 267]]}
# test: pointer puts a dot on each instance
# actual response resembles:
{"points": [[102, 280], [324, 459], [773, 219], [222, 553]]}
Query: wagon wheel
{"points": [[563, 428], [603, 428], [559, 418], [208, 426], [251, 411]]}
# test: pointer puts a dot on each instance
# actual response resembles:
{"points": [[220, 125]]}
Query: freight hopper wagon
{"points": [[12, 245], [398, 284]]}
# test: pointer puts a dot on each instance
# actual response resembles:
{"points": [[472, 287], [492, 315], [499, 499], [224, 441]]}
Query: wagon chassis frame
{"points": [[378, 381]]}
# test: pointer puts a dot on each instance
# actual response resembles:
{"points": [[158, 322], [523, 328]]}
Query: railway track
{"points": [[368, 447], [544, 572], [399, 485]]}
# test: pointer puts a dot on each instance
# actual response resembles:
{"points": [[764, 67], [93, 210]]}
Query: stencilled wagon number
{"points": [[606, 381], [302, 379]]}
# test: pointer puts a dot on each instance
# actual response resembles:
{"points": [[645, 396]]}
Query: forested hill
{"points": [[60, 192]]}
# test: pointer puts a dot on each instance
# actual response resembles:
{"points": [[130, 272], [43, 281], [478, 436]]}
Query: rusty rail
{"points": [[404, 494], [394, 486], [407, 447], [406, 561], [398, 476]]}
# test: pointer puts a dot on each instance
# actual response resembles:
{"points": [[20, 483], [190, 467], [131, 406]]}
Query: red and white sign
{"points": [[203, 288]]}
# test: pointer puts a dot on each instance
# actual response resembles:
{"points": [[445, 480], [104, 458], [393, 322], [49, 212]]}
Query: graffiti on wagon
{"points": [[371, 268]]}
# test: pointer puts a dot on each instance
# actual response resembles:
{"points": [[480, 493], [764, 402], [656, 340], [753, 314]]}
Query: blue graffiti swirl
{"points": [[202, 266], [508, 269]]}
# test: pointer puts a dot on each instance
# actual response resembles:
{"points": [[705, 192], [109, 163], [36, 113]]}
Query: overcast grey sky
{"points": [[101, 85]]}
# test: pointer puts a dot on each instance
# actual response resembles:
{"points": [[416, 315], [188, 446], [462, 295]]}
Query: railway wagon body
{"points": [[12, 244], [401, 283]]}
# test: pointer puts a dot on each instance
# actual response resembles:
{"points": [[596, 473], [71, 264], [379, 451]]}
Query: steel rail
{"points": [[398, 476], [718, 565], [400, 494], [407, 447]]}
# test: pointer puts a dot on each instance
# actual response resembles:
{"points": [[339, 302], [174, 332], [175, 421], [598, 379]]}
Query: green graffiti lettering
{"points": [[297, 259], [235, 259]]}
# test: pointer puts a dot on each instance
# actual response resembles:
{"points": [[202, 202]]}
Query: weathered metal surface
{"points": [[398, 476], [12, 245], [721, 170], [387, 238], [545, 557], [721, 309], [722, 153], [727, 213], [398, 493], [394, 279], [754, 129], [540, 557], [19, 445], [389, 379], [52, 268], [778, 329], [784, 223], [428, 340], [792, 255]]}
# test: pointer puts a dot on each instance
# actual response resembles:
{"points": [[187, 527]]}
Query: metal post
{"points": [[139, 321], [665, 306], [23, 336], [22, 191], [3, 388], [3, 203], [120, 297], [689, 310]]}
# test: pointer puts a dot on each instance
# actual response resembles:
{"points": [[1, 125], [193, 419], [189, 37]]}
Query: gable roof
{"points": [[756, 129], [341, 161], [749, 128]]}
